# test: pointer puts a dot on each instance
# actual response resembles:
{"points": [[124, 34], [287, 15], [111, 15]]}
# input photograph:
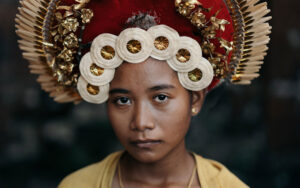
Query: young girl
{"points": [[150, 113], [146, 63]]}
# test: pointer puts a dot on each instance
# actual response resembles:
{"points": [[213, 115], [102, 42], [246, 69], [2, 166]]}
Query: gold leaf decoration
{"points": [[194, 11], [185, 7], [198, 19], [70, 25], [86, 15], [51, 36], [71, 41]]}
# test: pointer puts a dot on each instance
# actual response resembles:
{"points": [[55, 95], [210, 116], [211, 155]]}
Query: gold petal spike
{"points": [[250, 38], [48, 84], [260, 21], [248, 69], [38, 71], [57, 91], [29, 44], [31, 50], [23, 20], [45, 78], [242, 82], [33, 8], [31, 13], [259, 14], [252, 63], [25, 27], [35, 3], [62, 97], [38, 66], [252, 2], [258, 7]]}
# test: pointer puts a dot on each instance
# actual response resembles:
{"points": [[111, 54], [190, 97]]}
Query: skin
{"points": [[150, 113]]}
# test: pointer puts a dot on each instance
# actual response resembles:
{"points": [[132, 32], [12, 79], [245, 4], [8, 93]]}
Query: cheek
{"points": [[120, 130], [177, 118], [118, 122]]}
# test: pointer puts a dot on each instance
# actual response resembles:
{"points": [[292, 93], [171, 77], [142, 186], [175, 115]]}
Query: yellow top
{"points": [[211, 174]]}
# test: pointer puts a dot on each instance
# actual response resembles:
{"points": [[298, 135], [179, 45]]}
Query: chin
{"points": [[145, 156]]}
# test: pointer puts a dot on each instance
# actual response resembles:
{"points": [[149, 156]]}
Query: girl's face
{"points": [[148, 109]]}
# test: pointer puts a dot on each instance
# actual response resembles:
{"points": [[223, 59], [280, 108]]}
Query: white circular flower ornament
{"points": [[94, 74], [91, 93], [134, 45]]}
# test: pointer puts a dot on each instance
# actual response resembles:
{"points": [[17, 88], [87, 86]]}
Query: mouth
{"points": [[145, 144]]}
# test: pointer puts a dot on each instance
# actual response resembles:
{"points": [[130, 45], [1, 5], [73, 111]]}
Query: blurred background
{"points": [[253, 130]]}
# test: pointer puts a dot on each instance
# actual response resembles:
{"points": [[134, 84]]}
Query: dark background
{"points": [[253, 130]]}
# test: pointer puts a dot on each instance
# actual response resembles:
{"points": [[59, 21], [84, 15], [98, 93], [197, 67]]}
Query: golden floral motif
{"points": [[66, 54], [134, 46], [70, 24], [51, 63], [208, 48], [219, 65], [75, 78], [218, 23], [71, 41], [195, 75], [69, 13], [198, 19], [67, 20], [58, 16], [208, 28], [108, 52], [61, 31], [58, 74], [209, 32], [161, 43], [183, 55], [93, 90], [185, 7], [96, 70], [228, 46], [66, 66], [86, 15], [53, 32]]}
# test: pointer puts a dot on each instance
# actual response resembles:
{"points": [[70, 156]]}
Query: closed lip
{"points": [[145, 143]]}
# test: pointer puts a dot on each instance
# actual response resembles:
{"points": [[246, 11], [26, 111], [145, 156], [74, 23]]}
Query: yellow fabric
{"points": [[211, 174]]}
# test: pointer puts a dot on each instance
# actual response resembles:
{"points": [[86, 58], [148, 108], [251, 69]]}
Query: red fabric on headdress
{"points": [[110, 16]]}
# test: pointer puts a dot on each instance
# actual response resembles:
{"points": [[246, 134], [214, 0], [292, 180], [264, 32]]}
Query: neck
{"points": [[177, 165]]}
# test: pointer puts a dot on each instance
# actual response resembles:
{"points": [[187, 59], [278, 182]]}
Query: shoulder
{"points": [[90, 176], [216, 175]]}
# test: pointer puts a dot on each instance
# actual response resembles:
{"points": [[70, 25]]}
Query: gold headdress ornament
{"points": [[50, 42], [51, 34], [250, 38]]}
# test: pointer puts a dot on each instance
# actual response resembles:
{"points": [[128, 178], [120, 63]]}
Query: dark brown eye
{"points": [[123, 101], [161, 98]]}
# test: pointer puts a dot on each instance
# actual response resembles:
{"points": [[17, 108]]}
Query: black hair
{"points": [[142, 20]]}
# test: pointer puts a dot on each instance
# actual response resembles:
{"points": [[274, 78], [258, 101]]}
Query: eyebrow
{"points": [[161, 87], [154, 88], [119, 90]]}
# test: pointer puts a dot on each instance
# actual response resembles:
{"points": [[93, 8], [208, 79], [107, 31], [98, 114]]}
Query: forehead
{"points": [[149, 73]]}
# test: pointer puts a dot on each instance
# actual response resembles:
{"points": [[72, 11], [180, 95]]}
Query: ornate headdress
{"points": [[75, 45]]}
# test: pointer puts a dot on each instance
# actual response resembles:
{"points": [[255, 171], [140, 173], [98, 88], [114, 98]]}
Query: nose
{"points": [[142, 118]]}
